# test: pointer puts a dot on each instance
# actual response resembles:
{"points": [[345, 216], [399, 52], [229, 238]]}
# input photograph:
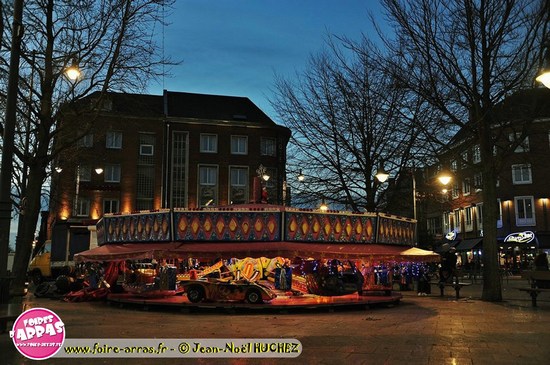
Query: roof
{"points": [[524, 105], [137, 104], [214, 107], [185, 105]]}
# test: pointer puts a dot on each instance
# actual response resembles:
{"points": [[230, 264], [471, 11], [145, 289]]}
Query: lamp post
{"points": [[545, 213], [383, 176], [263, 176]]}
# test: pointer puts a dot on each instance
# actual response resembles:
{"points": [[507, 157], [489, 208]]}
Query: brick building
{"points": [[522, 186], [148, 152]]}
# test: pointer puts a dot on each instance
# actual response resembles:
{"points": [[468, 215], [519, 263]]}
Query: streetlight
{"points": [[444, 178], [301, 176], [544, 73], [73, 71], [264, 177], [382, 175]]}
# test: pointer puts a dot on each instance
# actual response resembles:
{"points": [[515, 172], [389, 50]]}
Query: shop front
{"points": [[518, 251]]}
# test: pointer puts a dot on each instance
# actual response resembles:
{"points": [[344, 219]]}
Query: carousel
{"points": [[254, 255]]}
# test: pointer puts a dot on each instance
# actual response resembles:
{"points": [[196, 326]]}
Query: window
{"points": [[455, 190], [113, 140], [464, 159], [468, 219], [454, 165], [239, 145], [466, 186], [478, 182], [84, 173], [433, 226], [447, 222], [208, 185], [523, 146], [271, 184], [479, 216], [476, 154], [145, 181], [209, 143], [110, 206], [86, 141], [82, 208], [499, 218], [178, 193], [458, 221], [112, 173], [521, 174], [525, 211], [145, 172], [146, 150], [238, 189], [267, 146]]}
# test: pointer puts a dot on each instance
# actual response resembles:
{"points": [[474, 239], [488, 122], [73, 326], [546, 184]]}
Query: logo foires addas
{"points": [[38, 333]]}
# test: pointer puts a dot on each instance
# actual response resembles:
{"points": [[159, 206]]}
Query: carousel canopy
{"points": [[135, 251]]}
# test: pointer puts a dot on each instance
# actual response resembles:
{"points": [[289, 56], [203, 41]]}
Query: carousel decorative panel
{"points": [[227, 225], [309, 226], [393, 230], [139, 227]]}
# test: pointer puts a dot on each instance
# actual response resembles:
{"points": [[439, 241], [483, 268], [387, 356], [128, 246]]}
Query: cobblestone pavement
{"points": [[421, 330]]}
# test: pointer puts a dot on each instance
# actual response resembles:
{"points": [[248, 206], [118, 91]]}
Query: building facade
{"points": [[521, 148], [176, 150]]}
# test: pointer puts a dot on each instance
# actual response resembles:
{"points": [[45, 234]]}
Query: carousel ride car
{"points": [[213, 289], [217, 283]]}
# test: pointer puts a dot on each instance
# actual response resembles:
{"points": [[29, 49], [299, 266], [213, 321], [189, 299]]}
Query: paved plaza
{"points": [[420, 330]]}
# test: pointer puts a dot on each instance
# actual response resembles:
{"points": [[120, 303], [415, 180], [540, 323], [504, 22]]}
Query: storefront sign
{"points": [[520, 237]]}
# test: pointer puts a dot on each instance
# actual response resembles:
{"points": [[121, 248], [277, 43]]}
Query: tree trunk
{"points": [[27, 228], [492, 286]]}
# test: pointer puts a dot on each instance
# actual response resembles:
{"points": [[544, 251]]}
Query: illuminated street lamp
{"points": [[382, 175], [544, 74], [73, 71], [262, 172], [444, 178]]}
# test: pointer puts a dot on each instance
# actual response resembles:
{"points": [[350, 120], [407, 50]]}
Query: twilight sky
{"points": [[235, 47]]}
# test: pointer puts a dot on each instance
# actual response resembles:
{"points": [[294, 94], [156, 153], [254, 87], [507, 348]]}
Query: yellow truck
{"points": [[56, 256]]}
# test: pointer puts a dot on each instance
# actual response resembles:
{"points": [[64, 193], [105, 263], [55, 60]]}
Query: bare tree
{"points": [[112, 43], [463, 58], [348, 119]]}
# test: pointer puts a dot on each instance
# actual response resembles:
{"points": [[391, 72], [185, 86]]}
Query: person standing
{"points": [[448, 266], [541, 262]]}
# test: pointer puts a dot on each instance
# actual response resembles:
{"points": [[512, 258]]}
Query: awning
{"points": [[125, 251], [469, 244], [447, 246], [421, 254], [376, 252]]}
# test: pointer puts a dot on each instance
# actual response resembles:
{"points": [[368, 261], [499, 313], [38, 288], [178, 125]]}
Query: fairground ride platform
{"points": [[283, 302]]}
